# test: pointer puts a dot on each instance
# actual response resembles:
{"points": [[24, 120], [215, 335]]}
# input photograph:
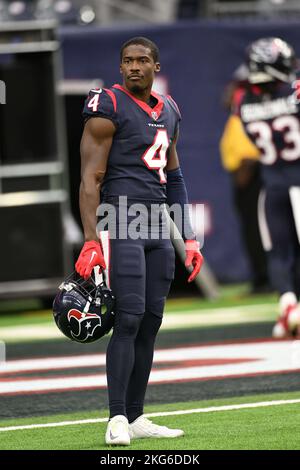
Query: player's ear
{"points": [[157, 67]]}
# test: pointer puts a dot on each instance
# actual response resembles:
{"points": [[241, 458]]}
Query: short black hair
{"points": [[143, 42]]}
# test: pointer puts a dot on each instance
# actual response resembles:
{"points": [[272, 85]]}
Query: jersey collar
{"points": [[155, 112]]}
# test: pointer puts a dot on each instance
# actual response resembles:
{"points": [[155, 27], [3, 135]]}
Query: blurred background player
{"points": [[269, 111], [128, 149], [240, 158]]}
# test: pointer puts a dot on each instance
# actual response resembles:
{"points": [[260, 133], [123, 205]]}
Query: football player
{"points": [[128, 148], [270, 114], [240, 158]]}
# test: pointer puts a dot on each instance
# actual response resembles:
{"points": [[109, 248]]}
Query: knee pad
{"points": [[150, 326], [157, 307], [127, 325], [131, 303]]}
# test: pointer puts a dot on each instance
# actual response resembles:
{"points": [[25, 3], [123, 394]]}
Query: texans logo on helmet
{"points": [[82, 324]]}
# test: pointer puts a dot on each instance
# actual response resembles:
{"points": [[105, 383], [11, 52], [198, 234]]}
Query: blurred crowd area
{"points": [[104, 12]]}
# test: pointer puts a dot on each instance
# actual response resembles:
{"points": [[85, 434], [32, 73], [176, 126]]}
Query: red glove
{"points": [[90, 256], [193, 258]]}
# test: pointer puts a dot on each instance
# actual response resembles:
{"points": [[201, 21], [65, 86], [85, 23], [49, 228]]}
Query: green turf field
{"points": [[261, 427], [25, 312]]}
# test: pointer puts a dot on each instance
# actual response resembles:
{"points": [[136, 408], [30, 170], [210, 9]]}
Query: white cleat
{"points": [[143, 427], [117, 432], [294, 318], [289, 319], [287, 325], [280, 329]]}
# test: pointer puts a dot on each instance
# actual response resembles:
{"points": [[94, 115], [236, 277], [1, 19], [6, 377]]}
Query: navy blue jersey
{"points": [[139, 152], [271, 119]]}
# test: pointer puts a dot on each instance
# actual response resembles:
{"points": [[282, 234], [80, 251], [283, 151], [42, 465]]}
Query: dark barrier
{"points": [[197, 59]]}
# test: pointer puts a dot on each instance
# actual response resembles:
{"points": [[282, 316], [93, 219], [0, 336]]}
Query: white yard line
{"points": [[152, 415]]}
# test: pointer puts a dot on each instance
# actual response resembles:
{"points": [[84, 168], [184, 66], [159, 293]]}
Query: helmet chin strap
{"points": [[98, 275], [99, 278]]}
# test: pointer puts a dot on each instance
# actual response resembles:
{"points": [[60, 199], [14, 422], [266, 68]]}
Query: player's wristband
{"points": [[177, 194]]}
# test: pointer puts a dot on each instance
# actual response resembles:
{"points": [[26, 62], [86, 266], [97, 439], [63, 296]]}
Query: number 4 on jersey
{"points": [[155, 156], [93, 103]]}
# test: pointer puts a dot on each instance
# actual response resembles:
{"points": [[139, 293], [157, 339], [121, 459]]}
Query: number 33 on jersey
{"points": [[272, 123], [139, 152]]}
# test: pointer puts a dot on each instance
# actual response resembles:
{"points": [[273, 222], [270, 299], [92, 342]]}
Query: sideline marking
{"points": [[149, 415], [201, 362]]}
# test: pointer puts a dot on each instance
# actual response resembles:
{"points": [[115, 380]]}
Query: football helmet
{"points": [[83, 310], [271, 59]]}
